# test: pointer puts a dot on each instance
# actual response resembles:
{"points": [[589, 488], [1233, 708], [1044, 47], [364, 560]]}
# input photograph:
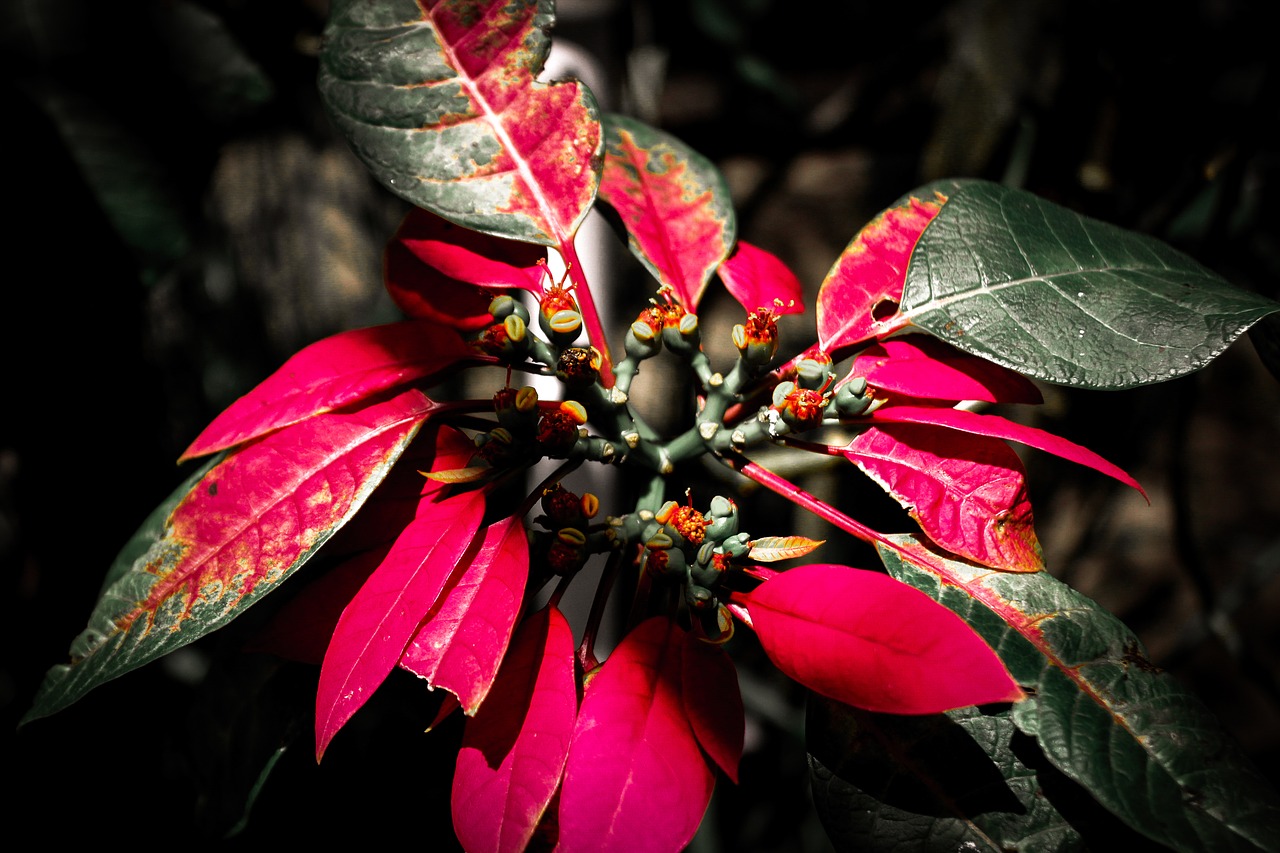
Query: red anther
{"points": [[578, 365], [504, 398], [562, 557], [691, 524], [562, 506], [557, 433], [494, 339]]}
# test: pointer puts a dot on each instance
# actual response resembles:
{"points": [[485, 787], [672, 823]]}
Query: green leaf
{"points": [[674, 203], [1057, 296], [441, 103], [940, 782], [1143, 746]]}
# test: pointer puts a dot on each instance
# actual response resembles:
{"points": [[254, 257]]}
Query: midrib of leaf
{"points": [[1028, 631], [670, 258], [176, 579], [492, 118]]}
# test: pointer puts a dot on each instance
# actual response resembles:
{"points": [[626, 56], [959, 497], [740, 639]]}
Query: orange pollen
{"points": [[691, 524]]}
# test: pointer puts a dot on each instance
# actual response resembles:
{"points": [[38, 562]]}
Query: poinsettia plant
{"points": [[444, 557]]}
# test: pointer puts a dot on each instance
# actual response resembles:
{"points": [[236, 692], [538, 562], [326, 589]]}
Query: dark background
{"points": [[182, 218]]}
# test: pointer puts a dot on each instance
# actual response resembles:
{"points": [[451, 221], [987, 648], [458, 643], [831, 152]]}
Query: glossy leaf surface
{"points": [[1169, 770], [463, 638], [1060, 297], [859, 299], [514, 749], [966, 780], [635, 773], [440, 102], [674, 203], [759, 279], [864, 639], [383, 616], [967, 492], [249, 523], [925, 367], [331, 373]]}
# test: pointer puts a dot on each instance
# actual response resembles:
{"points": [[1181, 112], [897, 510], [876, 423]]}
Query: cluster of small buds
{"points": [[527, 432], [696, 550], [566, 516], [665, 321]]}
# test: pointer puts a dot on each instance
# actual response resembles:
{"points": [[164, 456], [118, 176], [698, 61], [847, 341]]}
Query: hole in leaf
{"points": [[883, 310]]}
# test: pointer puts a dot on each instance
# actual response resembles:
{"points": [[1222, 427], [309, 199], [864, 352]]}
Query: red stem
{"points": [[797, 495], [590, 316]]}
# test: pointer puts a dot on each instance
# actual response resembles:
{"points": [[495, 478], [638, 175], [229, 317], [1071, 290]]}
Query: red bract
{"points": [[439, 271], [329, 374], [860, 297], [759, 279], [380, 620], [636, 778], [514, 749], [867, 640], [924, 367], [463, 638]]}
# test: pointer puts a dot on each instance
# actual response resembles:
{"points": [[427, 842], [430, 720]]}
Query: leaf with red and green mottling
{"points": [[674, 203], [770, 549], [462, 640], [713, 703], [967, 492], [331, 373], [248, 524], [1169, 769], [994, 426], [864, 639], [860, 296], [635, 769], [302, 628], [514, 749], [925, 367], [440, 101], [759, 279], [380, 620]]}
